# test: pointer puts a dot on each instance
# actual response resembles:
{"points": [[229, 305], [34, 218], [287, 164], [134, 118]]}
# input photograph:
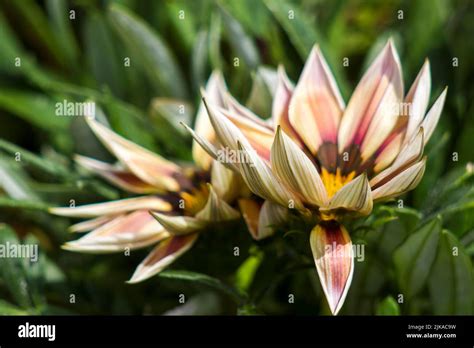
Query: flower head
{"points": [[177, 203], [320, 157]]}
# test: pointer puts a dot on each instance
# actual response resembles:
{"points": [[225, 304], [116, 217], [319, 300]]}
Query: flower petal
{"points": [[250, 210], [296, 170], [215, 89], [162, 256], [260, 179], [333, 255], [210, 149], [148, 166], [431, 120], [135, 230], [227, 183], [354, 196], [179, 225], [217, 209], [113, 207], [403, 182], [410, 154], [122, 178], [316, 105], [372, 111], [259, 137], [91, 224], [418, 98], [271, 215]]}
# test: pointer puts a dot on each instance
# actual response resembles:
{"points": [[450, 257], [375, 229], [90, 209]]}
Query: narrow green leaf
{"points": [[14, 182], [146, 45], [413, 259], [203, 279], [34, 108], [240, 41], [451, 282]]}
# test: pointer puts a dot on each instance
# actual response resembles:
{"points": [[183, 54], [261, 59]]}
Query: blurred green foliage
{"points": [[48, 54]]}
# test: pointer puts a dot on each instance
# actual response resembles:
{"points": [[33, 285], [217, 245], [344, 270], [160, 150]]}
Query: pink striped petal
{"points": [[316, 105], [135, 230], [162, 256], [151, 168], [215, 89], [261, 138], [333, 255], [281, 104], [410, 154], [372, 111], [418, 98], [431, 120], [114, 207], [120, 177]]}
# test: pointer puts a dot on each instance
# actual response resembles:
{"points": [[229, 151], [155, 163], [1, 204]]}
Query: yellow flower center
{"points": [[333, 182], [195, 200]]}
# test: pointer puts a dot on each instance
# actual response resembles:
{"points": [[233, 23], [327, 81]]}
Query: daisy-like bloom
{"points": [[328, 160], [176, 204]]}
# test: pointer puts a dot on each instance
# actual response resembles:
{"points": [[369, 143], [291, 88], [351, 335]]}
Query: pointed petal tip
{"points": [[333, 256]]}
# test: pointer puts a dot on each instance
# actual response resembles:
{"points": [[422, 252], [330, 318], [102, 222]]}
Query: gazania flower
{"points": [[320, 157], [182, 201]]}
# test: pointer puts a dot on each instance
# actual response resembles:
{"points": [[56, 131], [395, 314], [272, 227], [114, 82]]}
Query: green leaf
{"points": [[199, 60], [413, 259], [205, 280], [14, 182], [41, 163], [9, 309], [103, 57], [12, 270], [388, 306], [147, 46], [451, 282], [61, 24], [32, 17], [240, 41], [34, 108]]}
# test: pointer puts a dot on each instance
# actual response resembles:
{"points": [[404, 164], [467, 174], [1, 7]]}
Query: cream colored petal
{"points": [[411, 153], [296, 170], [259, 137], [354, 196], [316, 105], [148, 166], [135, 230], [91, 224], [108, 248], [372, 111], [250, 210], [281, 99], [227, 183], [418, 98], [179, 225], [333, 255], [216, 209], [403, 182], [389, 152], [120, 177], [113, 207], [271, 215], [260, 179], [431, 120], [215, 89], [239, 110], [162, 256]]}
